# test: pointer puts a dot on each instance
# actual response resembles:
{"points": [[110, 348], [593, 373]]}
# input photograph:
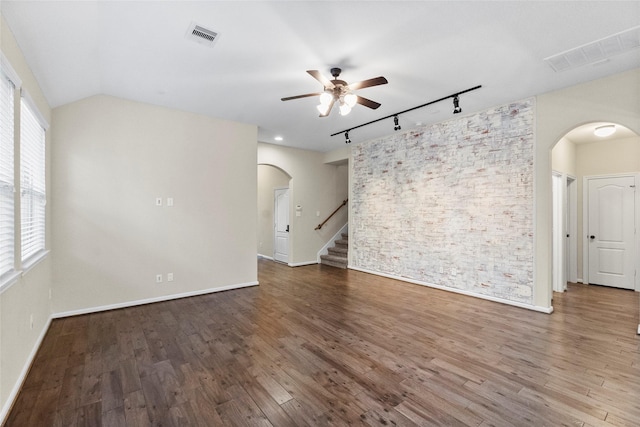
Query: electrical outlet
{"points": [[158, 278], [169, 201], [454, 272], [441, 270], [158, 201], [169, 277]]}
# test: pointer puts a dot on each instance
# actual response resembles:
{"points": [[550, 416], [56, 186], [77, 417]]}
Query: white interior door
{"points": [[281, 225], [611, 231]]}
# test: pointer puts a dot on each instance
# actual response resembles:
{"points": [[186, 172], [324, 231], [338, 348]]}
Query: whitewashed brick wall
{"points": [[450, 204]]}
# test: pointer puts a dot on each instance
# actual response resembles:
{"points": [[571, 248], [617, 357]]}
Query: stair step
{"points": [[342, 242], [334, 261], [335, 258], [345, 236], [336, 250], [342, 265]]}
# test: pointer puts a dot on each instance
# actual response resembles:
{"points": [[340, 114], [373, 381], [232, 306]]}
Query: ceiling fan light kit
{"points": [[339, 92]]}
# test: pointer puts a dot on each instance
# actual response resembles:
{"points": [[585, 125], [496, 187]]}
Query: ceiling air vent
{"points": [[597, 51], [202, 35]]}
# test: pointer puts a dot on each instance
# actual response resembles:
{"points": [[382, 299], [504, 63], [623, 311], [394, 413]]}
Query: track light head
{"points": [[396, 126], [456, 105], [346, 138]]}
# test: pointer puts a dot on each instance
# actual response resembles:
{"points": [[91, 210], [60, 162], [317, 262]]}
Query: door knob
{"points": [[592, 237], [287, 230]]}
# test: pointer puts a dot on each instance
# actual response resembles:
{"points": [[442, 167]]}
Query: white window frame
{"points": [[9, 272], [33, 194]]}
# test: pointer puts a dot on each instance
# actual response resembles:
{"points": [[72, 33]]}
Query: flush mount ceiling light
{"points": [[603, 131]]}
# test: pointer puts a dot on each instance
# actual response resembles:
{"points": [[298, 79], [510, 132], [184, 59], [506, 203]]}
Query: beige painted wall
{"points": [[611, 99], [112, 158], [564, 157], [603, 158], [269, 178], [318, 188], [30, 294]]}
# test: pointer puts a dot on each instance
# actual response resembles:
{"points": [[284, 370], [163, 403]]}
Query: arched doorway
{"points": [[577, 157]]}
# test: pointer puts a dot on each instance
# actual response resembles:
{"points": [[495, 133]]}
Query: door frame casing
{"points": [[559, 279], [585, 223], [571, 200], [565, 250]]}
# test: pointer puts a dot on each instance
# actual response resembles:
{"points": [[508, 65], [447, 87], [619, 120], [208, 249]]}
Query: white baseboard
{"points": [[300, 264], [547, 310], [290, 264], [23, 374], [150, 300]]}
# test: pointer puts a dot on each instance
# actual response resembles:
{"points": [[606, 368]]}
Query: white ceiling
{"points": [[426, 50]]}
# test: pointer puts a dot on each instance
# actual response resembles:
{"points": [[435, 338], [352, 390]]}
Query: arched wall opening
{"points": [[577, 156], [612, 99]]}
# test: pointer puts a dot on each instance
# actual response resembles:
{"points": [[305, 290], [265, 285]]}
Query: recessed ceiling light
{"points": [[278, 138], [606, 130]]}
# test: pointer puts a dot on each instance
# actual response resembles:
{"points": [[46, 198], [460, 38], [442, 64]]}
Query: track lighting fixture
{"points": [[396, 126], [346, 138], [396, 123], [456, 105]]}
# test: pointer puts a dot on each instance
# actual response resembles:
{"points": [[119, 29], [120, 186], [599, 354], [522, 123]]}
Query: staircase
{"points": [[337, 256]]}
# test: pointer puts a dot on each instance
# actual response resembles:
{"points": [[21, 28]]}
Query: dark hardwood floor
{"points": [[320, 346]]}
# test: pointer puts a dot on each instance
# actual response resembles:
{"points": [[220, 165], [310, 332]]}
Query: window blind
{"points": [[32, 182], [7, 188]]}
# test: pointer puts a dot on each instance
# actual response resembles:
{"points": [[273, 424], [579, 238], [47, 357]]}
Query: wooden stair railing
{"points": [[344, 202]]}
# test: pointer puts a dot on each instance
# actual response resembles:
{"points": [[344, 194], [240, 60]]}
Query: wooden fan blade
{"points": [[368, 103], [288, 98], [368, 83], [322, 79], [329, 109]]}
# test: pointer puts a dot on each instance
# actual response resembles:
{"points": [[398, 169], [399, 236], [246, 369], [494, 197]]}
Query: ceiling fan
{"points": [[341, 92]]}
